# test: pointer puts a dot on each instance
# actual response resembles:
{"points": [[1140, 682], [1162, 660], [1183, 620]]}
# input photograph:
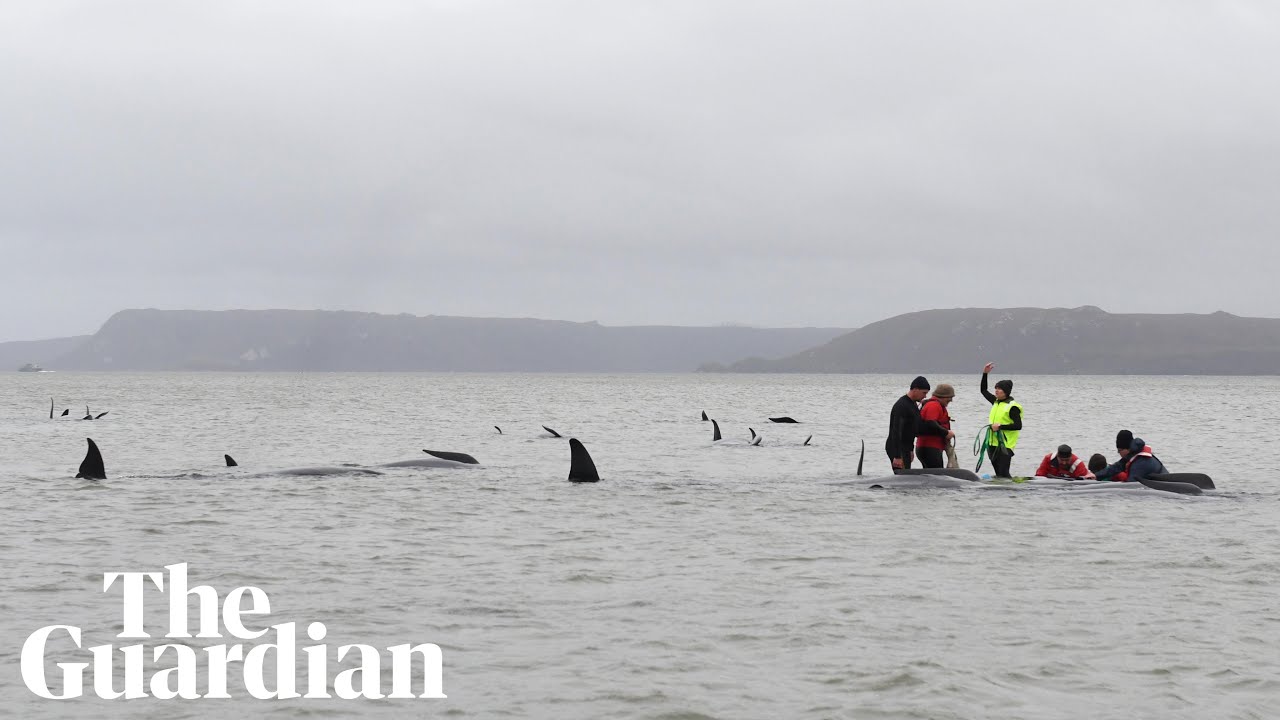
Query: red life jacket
{"points": [[1056, 469], [1146, 452], [943, 419]]}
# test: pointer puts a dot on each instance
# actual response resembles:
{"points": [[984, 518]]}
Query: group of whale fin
{"points": [[66, 411], [581, 467], [756, 438]]}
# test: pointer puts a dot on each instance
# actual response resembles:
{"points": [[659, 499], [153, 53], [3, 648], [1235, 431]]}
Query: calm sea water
{"points": [[695, 581]]}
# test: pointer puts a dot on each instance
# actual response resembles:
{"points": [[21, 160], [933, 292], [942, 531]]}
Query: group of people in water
{"points": [[920, 427]]}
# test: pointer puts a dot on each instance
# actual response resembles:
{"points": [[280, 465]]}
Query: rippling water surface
{"points": [[696, 580]]}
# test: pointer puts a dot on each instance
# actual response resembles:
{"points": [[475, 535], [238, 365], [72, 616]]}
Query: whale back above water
{"points": [[957, 473], [321, 471]]}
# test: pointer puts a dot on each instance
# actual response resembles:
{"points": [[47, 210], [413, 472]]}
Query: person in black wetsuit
{"points": [[904, 423]]}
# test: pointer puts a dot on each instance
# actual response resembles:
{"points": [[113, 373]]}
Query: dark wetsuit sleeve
{"points": [[893, 443], [1015, 412], [985, 393], [1111, 470], [902, 428], [932, 427]]}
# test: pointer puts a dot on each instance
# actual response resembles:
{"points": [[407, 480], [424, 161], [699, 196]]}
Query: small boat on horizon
{"points": [[31, 367]]}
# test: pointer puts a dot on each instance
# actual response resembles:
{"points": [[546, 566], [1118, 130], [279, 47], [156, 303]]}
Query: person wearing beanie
{"points": [[904, 423], [935, 427], [1124, 439], [1064, 464], [1137, 463], [1005, 420], [1117, 470]]}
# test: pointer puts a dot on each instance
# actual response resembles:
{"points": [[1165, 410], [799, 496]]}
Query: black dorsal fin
{"points": [[91, 467], [806, 440], [99, 415], [704, 416], [581, 467], [231, 462], [553, 432], [495, 427], [715, 431], [753, 433], [862, 454], [65, 412], [455, 456], [50, 408]]}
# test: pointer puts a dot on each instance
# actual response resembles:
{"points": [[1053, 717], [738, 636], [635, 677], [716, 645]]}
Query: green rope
{"points": [[980, 445]]}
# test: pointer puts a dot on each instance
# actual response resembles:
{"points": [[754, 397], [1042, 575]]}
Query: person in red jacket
{"points": [[1064, 464], [935, 427]]}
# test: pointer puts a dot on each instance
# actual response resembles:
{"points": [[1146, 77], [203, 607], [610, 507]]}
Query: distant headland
{"points": [[1052, 341], [1084, 340]]}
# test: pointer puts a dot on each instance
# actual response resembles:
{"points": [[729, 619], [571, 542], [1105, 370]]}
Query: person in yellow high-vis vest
{"points": [[1005, 421]]}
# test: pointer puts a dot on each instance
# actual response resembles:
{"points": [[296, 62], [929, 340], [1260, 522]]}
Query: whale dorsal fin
{"points": [[231, 462], [455, 456], [581, 467], [91, 467], [862, 454], [806, 440], [65, 412], [753, 433], [495, 427], [50, 408], [715, 431], [553, 432], [704, 416], [99, 415]]}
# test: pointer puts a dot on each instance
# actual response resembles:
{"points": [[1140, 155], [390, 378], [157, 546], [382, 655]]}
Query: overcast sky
{"points": [[685, 162]]}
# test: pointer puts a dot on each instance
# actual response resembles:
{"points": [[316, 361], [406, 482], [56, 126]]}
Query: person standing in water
{"points": [[935, 427], [1005, 421], [904, 423]]}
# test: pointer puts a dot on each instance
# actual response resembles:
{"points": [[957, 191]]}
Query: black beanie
{"points": [[1124, 439], [919, 383], [1006, 386]]}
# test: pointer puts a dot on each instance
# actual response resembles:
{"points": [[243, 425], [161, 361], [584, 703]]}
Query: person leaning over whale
{"points": [[1063, 464], [1140, 464], [1005, 421], [1115, 471]]}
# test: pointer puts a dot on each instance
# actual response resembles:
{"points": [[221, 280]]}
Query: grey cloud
{"points": [[825, 163]]}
